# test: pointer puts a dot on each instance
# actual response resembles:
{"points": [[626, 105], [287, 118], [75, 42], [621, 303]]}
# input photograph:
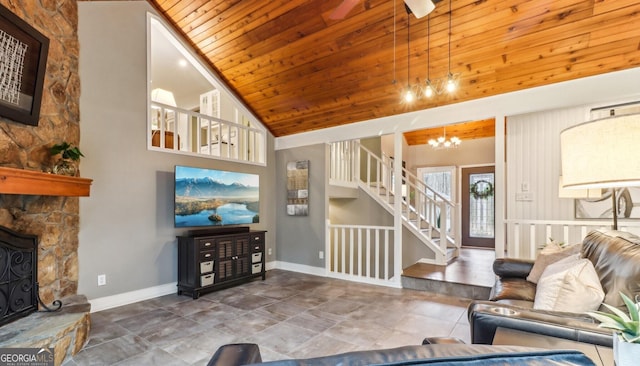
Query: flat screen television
{"points": [[208, 197]]}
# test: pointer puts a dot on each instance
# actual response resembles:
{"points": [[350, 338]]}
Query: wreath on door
{"points": [[481, 189]]}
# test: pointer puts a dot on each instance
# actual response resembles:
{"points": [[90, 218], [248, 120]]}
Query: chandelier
{"points": [[446, 84], [442, 142]]}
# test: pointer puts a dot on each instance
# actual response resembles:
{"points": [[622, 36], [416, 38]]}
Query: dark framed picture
{"points": [[23, 61], [298, 188]]}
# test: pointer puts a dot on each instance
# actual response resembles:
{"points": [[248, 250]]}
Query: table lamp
{"points": [[603, 153]]}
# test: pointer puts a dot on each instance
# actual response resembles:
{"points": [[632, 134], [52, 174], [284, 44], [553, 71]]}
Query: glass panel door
{"points": [[478, 206]]}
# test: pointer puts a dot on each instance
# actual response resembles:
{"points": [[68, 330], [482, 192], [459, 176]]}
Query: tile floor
{"points": [[289, 315]]}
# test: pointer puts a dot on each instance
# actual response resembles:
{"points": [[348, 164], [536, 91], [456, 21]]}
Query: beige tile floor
{"points": [[289, 315]]}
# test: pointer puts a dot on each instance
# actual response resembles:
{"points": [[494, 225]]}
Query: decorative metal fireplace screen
{"points": [[18, 275]]}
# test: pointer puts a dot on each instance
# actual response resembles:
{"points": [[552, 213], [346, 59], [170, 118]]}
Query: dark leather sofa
{"points": [[616, 258], [433, 354]]}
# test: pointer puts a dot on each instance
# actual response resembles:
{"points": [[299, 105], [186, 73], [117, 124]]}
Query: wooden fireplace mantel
{"points": [[29, 182]]}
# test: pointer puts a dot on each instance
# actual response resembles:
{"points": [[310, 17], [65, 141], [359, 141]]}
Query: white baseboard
{"points": [[295, 267], [126, 298]]}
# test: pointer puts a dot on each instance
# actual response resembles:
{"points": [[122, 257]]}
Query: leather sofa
{"points": [[616, 259], [431, 354]]}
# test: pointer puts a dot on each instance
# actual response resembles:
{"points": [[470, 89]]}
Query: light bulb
{"points": [[447, 143], [440, 139], [451, 85], [432, 142], [428, 91], [408, 97]]}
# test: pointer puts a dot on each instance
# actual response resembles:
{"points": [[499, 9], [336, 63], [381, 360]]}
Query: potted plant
{"points": [[70, 155], [626, 341]]}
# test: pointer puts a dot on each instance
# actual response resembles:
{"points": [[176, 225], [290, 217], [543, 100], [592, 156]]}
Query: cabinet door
{"points": [[242, 256], [225, 259]]}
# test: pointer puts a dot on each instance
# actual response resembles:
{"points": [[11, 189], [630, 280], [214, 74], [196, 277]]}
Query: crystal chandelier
{"points": [[442, 142]]}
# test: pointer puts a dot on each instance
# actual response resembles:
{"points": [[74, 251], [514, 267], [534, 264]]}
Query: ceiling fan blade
{"points": [[343, 9]]}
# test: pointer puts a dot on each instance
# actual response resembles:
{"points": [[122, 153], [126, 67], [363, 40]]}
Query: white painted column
{"points": [[397, 206], [500, 192]]}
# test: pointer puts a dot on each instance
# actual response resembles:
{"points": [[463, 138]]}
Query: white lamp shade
{"points": [[604, 153], [163, 96], [420, 8], [578, 193]]}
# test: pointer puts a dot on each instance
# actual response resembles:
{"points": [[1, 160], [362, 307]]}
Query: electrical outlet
{"points": [[102, 280], [321, 254], [269, 251]]}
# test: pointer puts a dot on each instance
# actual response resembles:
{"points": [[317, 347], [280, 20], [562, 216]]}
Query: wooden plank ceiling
{"points": [[298, 70], [463, 131]]}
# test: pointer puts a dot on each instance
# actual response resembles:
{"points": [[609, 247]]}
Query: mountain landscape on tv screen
{"points": [[207, 201]]}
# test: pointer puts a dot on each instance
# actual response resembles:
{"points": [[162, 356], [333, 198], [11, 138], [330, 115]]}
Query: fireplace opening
{"points": [[18, 275]]}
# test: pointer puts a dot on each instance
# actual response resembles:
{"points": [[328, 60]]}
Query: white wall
{"points": [[533, 163], [126, 226]]}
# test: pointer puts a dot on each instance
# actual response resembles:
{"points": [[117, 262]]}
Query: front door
{"points": [[478, 207]]}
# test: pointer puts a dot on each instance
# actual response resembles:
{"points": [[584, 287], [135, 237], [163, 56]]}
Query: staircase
{"points": [[429, 216]]}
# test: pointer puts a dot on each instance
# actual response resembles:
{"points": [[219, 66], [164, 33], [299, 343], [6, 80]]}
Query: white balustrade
{"points": [[188, 132], [361, 253], [525, 238]]}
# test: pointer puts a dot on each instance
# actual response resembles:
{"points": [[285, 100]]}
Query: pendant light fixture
{"points": [[408, 96], [449, 83], [428, 91], [452, 83]]}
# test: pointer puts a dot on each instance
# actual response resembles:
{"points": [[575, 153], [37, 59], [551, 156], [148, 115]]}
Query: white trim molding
{"points": [[126, 298]]}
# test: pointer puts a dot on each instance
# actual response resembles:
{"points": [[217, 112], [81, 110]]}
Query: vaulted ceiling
{"points": [[298, 70]]}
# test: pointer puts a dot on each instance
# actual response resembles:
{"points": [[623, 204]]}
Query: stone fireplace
{"points": [[65, 331], [54, 219]]}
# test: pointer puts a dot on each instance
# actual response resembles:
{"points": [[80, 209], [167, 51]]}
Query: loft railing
{"points": [[187, 132]]}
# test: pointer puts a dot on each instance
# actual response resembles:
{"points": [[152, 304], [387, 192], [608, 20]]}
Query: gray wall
{"points": [[301, 238], [126, 226]]}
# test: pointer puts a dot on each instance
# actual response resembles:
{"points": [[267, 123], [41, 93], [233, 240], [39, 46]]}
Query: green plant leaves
{"points": [[627, 325], [67, 150]]}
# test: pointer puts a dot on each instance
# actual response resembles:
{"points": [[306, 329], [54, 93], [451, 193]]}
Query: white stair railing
{"points": [[361, 253], [344, 163], [431, 207], [429, 215]]}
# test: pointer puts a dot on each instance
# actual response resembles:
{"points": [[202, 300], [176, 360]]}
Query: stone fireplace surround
{"points": [[65, 331]]}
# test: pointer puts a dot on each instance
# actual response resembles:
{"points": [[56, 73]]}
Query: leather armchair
{"points": [[616, 258]]}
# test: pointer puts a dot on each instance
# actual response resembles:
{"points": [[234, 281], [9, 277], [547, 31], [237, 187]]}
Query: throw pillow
{"points": [[550, 254], [569, 285]]}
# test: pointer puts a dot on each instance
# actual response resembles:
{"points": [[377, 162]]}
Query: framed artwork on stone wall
{"points": [[23, 62], [298, 188]]}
